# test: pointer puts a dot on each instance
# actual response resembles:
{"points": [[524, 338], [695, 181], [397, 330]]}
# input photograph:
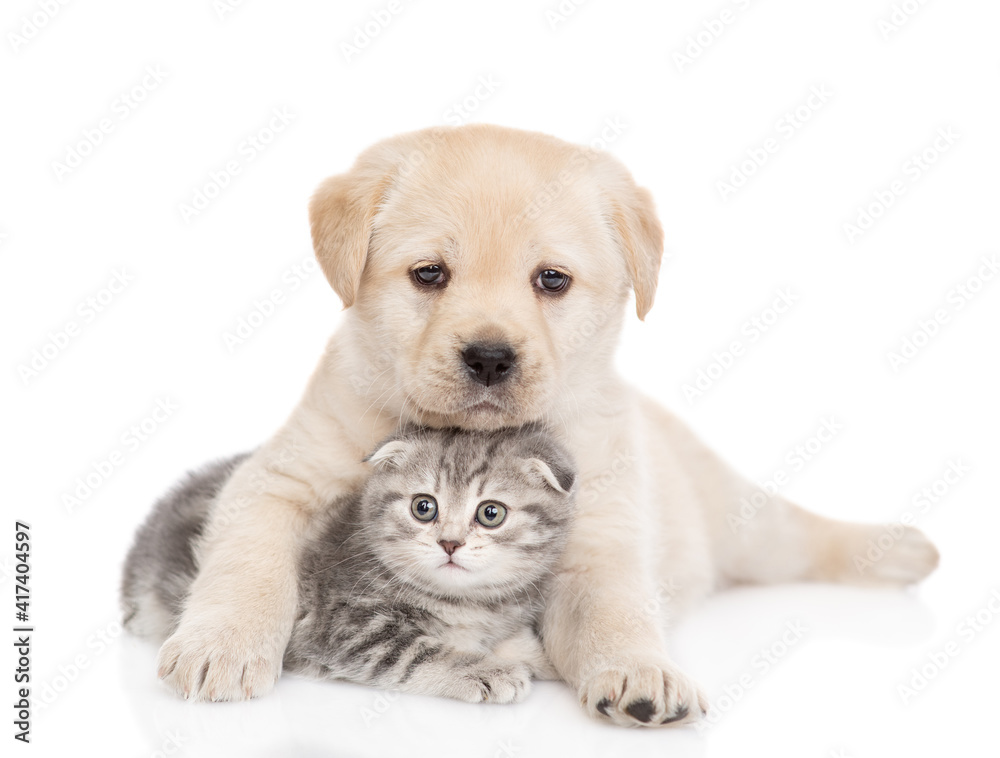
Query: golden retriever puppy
{"points": [[485, 272]]}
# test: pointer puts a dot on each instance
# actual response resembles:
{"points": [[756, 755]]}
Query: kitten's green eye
{"points": [[424, 508], [491, 514]]}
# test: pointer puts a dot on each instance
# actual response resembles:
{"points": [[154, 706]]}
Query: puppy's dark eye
{"points": [[424, 508], [491, 514], [429, 275], [551, 280]]}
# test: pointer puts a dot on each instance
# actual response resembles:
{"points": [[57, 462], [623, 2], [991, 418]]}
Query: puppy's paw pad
{"points": [[641, 710], [642, 695]]}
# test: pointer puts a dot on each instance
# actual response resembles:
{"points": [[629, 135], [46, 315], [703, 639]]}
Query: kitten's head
{"points": [[461, 513]]}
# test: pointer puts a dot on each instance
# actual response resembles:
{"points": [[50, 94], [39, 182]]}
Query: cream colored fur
{"points": [[495, 206]]}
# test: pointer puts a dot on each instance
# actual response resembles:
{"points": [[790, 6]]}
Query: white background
{"points": [[686, 127]]}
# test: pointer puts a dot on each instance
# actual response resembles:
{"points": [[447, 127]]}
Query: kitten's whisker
{"points": [[360, 578], [368, 559]]}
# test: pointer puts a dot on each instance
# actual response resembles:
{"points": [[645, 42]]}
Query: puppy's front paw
{"points": [[638, 693], [219, 663], [496, 682]]}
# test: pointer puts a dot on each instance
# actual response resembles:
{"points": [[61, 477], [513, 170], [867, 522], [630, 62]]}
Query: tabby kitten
{"points": [[428, 580]]}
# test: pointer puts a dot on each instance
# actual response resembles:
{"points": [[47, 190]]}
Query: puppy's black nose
{"points": [[488, 364]]}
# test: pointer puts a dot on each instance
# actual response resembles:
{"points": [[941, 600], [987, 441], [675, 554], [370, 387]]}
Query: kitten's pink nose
{"points": [[450, 546]]}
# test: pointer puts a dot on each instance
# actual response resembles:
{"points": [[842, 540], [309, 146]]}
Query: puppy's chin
{"points": [[475, 409]]}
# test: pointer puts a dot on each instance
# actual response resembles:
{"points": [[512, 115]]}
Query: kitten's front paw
{"points": [[219, 663], [638, 693], [496, 682]]}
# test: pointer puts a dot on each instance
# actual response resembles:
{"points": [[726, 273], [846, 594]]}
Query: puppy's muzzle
{"points": [[489, 363]]}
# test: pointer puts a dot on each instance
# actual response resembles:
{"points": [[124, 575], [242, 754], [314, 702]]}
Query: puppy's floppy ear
{"points": [[340, 215], [641, 237], [632, 216], [390, 454]]}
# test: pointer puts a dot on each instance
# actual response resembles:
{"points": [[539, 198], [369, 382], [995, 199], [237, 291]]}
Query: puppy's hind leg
{"points": [[782, 542], [775, 540]]}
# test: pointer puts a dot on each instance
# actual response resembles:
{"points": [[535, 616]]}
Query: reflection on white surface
{"points": [[718, 643]]}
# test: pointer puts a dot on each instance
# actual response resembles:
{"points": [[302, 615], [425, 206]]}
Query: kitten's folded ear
{"points": [[556, 474], [546, 458], [390, 454]]}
